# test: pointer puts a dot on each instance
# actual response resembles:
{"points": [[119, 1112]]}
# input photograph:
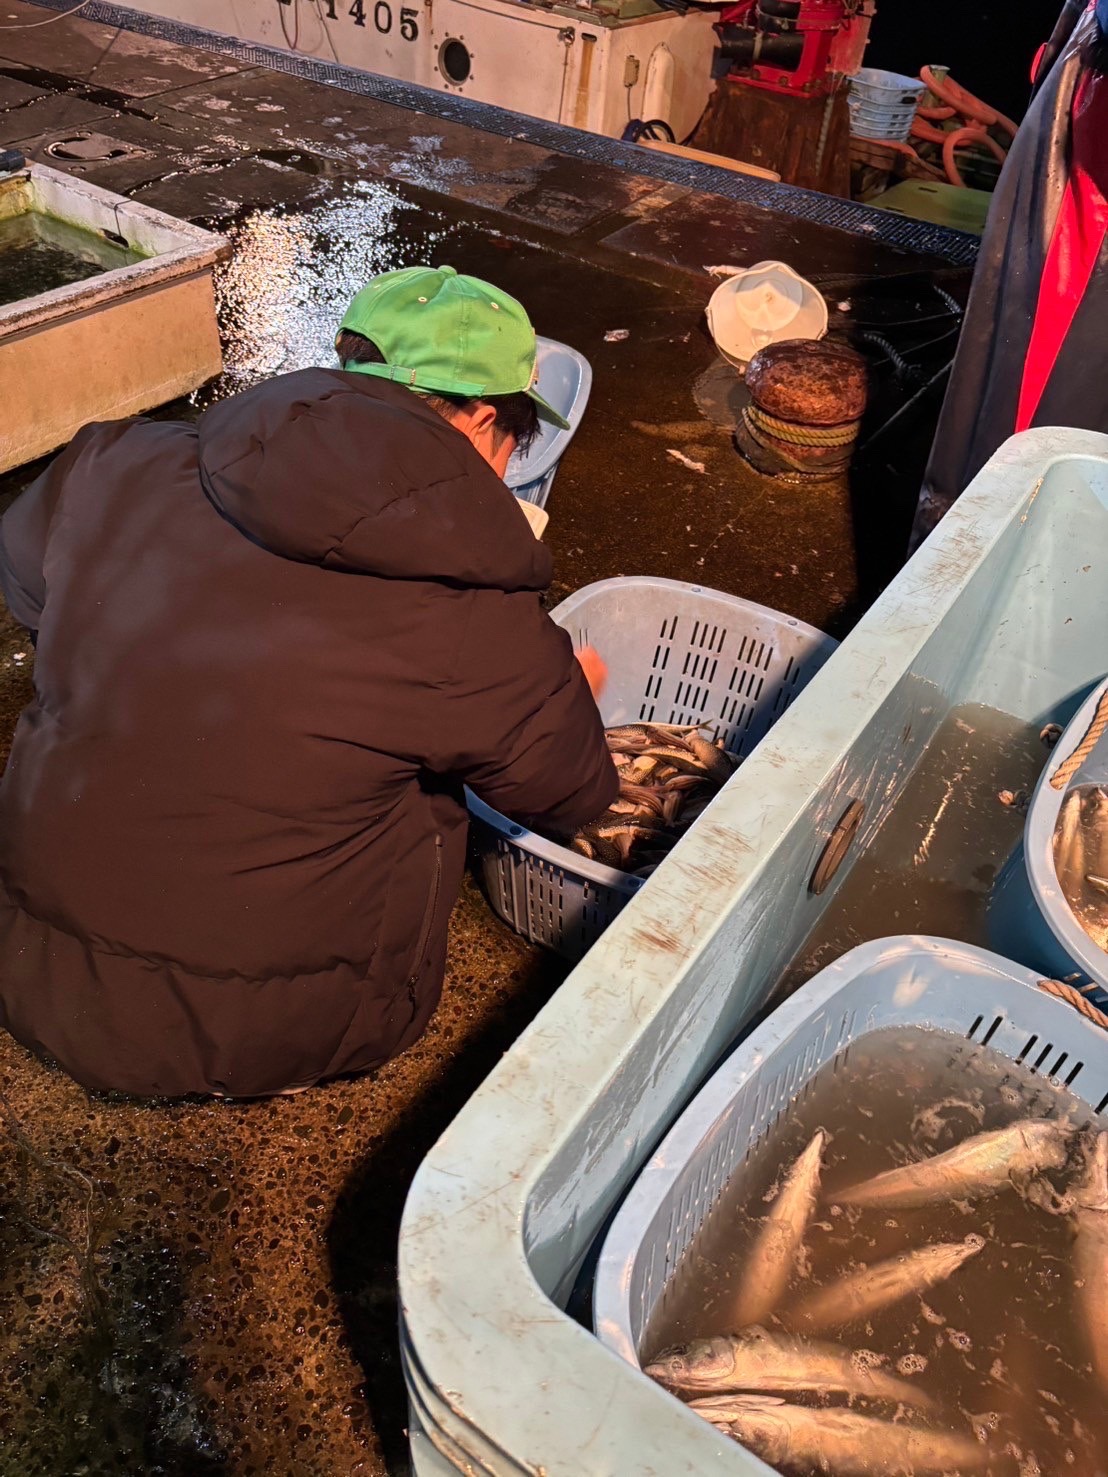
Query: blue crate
{"points": [[1006, 606]]}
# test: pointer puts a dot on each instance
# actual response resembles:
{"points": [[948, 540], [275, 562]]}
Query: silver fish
{"points": [[597, 849], [637, 772], [757, 1360], [770, 1264], [979, 1166], [632, 736], [870, 1289], [621, 833], [1090, 1255], [844, 1443], [642, 800]]}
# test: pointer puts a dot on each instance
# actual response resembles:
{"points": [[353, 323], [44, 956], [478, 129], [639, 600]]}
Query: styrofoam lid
{"points": [[763, 305]]}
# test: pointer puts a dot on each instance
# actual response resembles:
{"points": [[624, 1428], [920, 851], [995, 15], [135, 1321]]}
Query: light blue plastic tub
{"points": [[1005, 605], [1029, 917], [565, 381]]}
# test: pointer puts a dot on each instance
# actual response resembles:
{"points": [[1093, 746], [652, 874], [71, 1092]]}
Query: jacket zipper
{"points": [[428, 922]]}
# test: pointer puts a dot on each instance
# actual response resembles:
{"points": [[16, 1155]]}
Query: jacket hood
{"points": [[358, 474]]}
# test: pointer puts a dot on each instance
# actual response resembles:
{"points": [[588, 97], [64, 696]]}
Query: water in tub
{"points": [[950, 1316], [39, 252], [931, 866]]}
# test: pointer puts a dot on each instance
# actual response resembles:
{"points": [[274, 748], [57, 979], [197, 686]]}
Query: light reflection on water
{"points": [[282, 293]]}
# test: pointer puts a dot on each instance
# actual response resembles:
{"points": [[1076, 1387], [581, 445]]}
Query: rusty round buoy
{"points": [[807, 398]]}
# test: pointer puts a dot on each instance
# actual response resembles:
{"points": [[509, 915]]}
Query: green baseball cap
{"points": [[447, 334]]}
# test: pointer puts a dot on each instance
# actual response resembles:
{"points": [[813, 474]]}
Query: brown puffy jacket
{"points": [[271, 648]]}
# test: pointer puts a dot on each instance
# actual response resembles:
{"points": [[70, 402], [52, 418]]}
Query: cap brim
{"points": [[547, 412]]}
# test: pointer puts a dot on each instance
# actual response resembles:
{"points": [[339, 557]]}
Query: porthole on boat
{"points": [[454, 60]]}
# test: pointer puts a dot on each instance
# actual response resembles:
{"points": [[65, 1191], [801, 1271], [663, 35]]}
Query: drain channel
{"points": [[92, 148]]}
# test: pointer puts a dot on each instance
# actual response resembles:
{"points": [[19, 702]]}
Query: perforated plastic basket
{"points": [[931, 983], [887, 89], [676, 653], [883, 104], [564, 381]]}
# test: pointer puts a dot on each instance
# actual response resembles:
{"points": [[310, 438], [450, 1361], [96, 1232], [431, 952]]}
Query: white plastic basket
{"points": [[926, 982], [564, 381], [676, 653], [883, 104]]}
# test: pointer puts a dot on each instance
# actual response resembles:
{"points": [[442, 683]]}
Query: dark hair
{"points": [[516, 415]]}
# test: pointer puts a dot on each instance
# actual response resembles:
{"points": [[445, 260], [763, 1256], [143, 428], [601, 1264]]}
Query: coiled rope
{"points": [[1075, 998], [796, 435], [1069, 767]]}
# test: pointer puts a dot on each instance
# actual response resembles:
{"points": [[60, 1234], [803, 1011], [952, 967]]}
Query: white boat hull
{"points": [[566, 65]]}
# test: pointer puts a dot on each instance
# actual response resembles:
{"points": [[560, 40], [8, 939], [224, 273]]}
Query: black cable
{"points": [[900, 365], [880, 323], [906, 407], [931, 342], [655, 128], [952, 302]]}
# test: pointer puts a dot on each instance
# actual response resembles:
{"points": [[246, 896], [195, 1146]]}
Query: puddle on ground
{"points": [[39, 252], [291, 275]]}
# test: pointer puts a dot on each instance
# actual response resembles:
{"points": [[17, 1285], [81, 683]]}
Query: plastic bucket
{"points": [[883, 104], [873, 85]]}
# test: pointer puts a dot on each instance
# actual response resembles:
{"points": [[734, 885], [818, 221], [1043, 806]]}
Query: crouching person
{"points": [[271, 647]]}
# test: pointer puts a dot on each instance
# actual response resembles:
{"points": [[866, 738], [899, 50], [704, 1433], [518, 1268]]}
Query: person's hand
{"points": [[594, 668]]}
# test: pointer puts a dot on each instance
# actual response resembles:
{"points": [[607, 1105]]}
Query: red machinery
{"points": [[797, 47]]}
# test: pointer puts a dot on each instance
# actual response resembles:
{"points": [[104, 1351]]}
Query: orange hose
{"points": [[927, 132], [954, 101], [960, 137], [955, 96], [905, 149]]}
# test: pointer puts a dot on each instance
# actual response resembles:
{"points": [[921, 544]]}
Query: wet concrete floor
{"points": [[204, 1288]]}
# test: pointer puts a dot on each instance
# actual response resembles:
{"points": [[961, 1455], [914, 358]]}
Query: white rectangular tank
{"points": [[111, 345]]}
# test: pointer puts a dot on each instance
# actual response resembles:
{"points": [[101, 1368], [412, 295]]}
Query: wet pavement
{"points": [[208, 1288]]}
